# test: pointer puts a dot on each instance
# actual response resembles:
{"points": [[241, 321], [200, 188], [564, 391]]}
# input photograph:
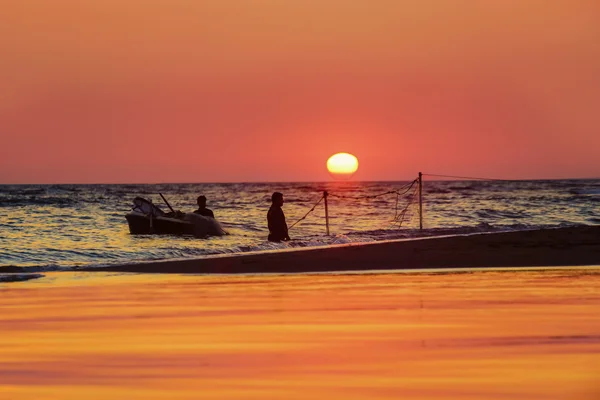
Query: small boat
{"points": [[146, 218]]}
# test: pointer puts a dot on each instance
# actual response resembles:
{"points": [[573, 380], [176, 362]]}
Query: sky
{"points": [[143, 91]]}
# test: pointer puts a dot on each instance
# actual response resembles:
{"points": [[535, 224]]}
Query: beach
{"points": [[529, 333], [494, 316]]}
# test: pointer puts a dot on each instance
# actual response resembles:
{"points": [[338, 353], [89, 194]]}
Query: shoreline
{"points": [[573, 246]]}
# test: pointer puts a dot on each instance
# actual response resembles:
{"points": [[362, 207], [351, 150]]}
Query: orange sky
{"points": [[218, 90]]}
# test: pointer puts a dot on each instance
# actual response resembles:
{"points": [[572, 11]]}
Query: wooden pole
{"points": [[165, 200], [325, 194], [420, 201]]}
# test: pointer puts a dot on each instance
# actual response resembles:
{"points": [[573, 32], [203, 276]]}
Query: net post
{"points": [[325, 194], [420, 201]]}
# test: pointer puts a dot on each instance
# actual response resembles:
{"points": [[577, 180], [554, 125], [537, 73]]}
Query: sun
{"points": [[342, 165]]}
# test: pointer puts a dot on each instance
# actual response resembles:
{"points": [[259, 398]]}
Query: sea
{"points": [[57, 227]]}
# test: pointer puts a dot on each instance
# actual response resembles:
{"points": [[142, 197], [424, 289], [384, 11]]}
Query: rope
{"points": [[468, 178], [400, 216], [339, 196], [309, 211], [405, 210], [396, 208], [409, 186], [397, 192]]}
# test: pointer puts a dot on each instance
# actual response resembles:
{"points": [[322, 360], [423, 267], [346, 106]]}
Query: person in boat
{"points": [[202, 210], [278, 229]]}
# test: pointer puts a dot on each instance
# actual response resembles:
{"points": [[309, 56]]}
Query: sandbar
{"points": [[571, 246]]}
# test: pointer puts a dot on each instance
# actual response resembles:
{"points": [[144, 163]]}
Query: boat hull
{"points": [[140, 224]]}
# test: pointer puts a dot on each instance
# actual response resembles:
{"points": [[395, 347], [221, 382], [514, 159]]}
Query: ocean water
{"points": [[49, 227]]}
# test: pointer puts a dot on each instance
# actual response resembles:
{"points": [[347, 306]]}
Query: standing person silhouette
{"points": [[202, 210], [278, 229]]}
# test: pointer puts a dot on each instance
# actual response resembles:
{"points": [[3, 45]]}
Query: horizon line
{"points": [[280, 181]]}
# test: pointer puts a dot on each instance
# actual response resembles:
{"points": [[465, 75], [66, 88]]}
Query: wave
{"points": [[18, 269], [30, 191], [38, 201], [461, 188], [586, 198], [427, 191], [592, 192], [19, 277], [491, 213], [483, 227]]}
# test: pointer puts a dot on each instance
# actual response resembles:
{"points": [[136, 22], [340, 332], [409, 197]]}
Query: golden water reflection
{"points": [[477, 335]]}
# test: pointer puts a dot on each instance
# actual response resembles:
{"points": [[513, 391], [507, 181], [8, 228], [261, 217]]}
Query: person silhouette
{"points": [[202, 210], [278, 229]]}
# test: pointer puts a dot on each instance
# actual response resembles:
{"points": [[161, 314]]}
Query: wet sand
{"points": [[548, 247], [470, 334]]}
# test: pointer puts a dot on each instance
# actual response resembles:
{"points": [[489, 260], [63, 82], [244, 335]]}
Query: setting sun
{"points": [[342, 165]]}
